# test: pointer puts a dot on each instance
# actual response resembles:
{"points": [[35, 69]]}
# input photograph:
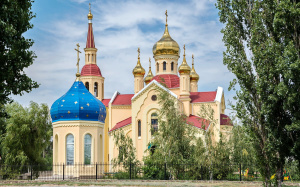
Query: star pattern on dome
{"points": [[74, 106]]}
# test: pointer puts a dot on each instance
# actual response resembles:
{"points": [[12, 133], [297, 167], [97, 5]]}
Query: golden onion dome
{"points": [[194, 76], [149, 76], [166, 45], [184, 68], [90, 15], [138, 70]]}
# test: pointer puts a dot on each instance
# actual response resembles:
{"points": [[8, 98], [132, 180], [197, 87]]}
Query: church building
{"points": [[84, 121]]}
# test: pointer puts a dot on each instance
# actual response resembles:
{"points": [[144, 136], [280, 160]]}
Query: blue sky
{"points": [[120, 27]]}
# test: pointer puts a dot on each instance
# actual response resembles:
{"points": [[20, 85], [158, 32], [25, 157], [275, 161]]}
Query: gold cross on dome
{"points": [[149, 62], [184, 50], [138, 52], [193, 59], [78, 56], [166, 16], [90, 7]]}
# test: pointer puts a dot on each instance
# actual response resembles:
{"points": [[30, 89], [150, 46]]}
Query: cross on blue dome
{"points": [[78, 104]]}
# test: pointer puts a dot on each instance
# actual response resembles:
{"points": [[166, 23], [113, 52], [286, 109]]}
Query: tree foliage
{"points": [[127, 152], [15, 53], [262, 50], [27, 135]]}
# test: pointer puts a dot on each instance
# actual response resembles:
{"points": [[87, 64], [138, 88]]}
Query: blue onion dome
{"points": [[78, 104]]}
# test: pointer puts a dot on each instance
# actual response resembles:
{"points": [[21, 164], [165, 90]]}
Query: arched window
{"points": [[96, 89], [154, 123], [172, 66], [70, 149], [87, 148], [157, 67], [164, 66], [139, 128], [87, 85]]}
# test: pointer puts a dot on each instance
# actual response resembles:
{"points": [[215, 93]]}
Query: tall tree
{"points": [[27, 136], [262, 41], [15, 53]]}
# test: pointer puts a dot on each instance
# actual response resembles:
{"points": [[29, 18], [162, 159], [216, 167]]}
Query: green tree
{"points": [[174, 142], [27, 136], [262, 41], [127, 152], [15, 53]]}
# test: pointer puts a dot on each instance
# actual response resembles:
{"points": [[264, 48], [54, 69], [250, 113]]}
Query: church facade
{"points": [[83, 131]]}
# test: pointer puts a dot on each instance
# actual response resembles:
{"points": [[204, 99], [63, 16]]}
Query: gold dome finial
{"points": [[149, 76], [138, 70], [193, 75], [78, 59], [90, 15], [166, 45], [184, 68]]}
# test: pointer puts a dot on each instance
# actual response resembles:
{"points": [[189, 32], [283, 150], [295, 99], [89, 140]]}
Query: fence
{"points": [[165, 171]]}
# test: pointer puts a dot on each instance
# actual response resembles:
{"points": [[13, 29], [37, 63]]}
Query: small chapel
{"points": [[84, 121]]}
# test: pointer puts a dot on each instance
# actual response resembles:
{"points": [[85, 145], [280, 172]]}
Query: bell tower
{"points": [[90, 74]]}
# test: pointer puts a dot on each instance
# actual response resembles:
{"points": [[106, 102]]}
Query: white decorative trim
{"points": [[219, 94], [79, 123], [114, 97], [159, 85]]}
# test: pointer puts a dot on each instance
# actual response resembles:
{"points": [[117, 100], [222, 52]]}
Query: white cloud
{"points": [[120, 27]]}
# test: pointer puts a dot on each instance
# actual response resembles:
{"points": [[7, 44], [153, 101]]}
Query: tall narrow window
{"points": [[87, 148], [164, 66], [70, 149], [88, 57], [157, 67], [154, 123], [139, 128], [172, 66], [96, 89], [87, 85], [92, 58], [102, 90]]}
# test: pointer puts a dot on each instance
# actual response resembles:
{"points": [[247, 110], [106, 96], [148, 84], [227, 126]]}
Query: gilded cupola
{"points": [[184, 68], [149, 77], [138, 70], [193, 76], [166, 45], [90, 15]]}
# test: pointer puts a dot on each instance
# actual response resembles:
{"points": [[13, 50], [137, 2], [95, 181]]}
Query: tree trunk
{"points": [[279, 176]]}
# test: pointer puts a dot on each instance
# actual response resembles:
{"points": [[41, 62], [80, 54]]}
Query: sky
{"points": [[120, 27]]}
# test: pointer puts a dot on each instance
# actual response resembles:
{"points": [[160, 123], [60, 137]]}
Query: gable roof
{"points": [[159, 85], [105, 102], [122, 99], [170, 80], [198, 97], [121, 124], [198, 122], [225, 120]]}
